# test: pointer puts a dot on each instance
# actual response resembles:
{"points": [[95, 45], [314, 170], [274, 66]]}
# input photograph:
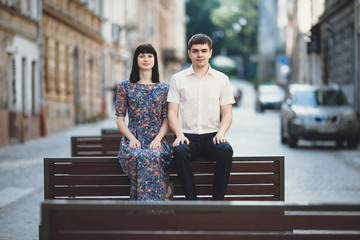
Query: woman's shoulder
{"points": [[124, 84], [163, 85]]}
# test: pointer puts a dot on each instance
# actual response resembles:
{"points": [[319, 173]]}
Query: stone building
{"points": [[339, 41], [72, 62], [61, 59], [19, 71], [128, 23]]}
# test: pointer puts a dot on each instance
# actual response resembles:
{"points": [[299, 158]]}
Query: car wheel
{"points": [[293, 139], [339, 143], [352, 142]]}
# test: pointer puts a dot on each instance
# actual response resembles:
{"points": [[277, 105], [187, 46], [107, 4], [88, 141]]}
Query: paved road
{"points": [[314, 172], [21, 179]]}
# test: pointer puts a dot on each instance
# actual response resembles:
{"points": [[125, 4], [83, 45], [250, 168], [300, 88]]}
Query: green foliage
{"points": [[239, 21], [198, 19], [220, 20]]}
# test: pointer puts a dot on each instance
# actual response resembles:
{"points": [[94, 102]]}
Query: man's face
{"points": [[200, 55]]}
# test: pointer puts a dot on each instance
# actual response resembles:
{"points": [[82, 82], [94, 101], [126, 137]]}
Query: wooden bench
{"points": [[252, 178], [110, 132], [198, 220], [99, 146]]}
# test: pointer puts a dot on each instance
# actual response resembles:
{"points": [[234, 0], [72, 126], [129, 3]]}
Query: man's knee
{"points": [[182, 150], [225, 150]]}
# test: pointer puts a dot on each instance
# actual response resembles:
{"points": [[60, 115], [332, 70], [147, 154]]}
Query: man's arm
{"points": [[226, 119], [174, 123]]}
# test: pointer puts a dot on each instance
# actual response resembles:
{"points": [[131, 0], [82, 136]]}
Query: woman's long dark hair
{"points": [[135, 71]]}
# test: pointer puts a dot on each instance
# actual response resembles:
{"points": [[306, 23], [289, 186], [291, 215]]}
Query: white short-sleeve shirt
{"points": [[200, 99]]}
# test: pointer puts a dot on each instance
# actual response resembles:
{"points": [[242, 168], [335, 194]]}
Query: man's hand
{"points": [[181, 140], [219, 138]]}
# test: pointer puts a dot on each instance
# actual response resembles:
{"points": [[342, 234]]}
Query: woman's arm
{"points": [[156, 143], [120, 122]]}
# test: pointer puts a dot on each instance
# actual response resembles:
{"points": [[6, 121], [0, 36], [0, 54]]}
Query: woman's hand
{"points": [[134, 143], [155, 144]]}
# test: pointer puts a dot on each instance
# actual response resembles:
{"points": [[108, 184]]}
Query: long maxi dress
{"points": [[147, 168]]}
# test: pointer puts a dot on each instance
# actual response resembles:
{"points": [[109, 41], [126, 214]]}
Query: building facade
{"points": [[328, 52], [339, 33], [129, 23], [72, 62], [19, 71], [61, 60]]}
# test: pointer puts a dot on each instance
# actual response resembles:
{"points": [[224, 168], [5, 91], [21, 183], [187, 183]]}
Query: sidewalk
{"points": [[21, 178]]}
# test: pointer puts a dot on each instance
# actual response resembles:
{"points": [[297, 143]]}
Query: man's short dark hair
{"points": [[200, 38]]}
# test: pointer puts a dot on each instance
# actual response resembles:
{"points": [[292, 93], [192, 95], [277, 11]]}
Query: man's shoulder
{"points": [[181, 73], [219, 74]]}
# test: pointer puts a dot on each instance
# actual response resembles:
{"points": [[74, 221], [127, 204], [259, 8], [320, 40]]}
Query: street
{"points": [[314, 172]]}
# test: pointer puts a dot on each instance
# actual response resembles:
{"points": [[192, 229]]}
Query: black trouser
{"points": [[202, 146]]}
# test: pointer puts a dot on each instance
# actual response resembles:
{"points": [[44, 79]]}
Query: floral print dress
{"points": [[147, 168]]}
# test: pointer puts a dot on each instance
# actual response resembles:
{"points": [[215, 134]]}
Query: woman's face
{"points": [[146, 61]]}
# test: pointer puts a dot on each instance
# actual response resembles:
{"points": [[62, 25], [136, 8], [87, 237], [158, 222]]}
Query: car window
{"points": [[319, 98]]}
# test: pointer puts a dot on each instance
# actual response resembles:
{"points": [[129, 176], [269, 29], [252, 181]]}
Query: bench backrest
{"points": [[110, 132], [210, 220], [95, 146], [252, 178], [99, 146]]}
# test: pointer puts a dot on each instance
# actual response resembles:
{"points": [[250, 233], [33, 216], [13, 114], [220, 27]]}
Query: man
{"points": [[197, 96]]}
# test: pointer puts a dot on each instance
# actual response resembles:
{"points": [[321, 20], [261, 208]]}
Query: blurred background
{"points": [[293, 67], [61, 60]]}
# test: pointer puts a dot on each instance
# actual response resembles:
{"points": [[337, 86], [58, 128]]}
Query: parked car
{"points": [[236, 90], [318, 113], [269, 96]]}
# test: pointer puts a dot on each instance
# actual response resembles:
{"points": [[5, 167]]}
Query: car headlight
{"points": [[348, 116], [300, 119]]}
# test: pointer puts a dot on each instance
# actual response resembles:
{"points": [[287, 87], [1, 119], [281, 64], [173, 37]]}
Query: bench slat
{"points": [[207, 236], [235, 189], [198, 167], [235, 179], [86, 168], [90, 191], [123, 179], [94, 180], [122, 190]]}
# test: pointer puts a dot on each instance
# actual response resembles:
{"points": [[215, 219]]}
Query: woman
{"points": [[144, 150]]}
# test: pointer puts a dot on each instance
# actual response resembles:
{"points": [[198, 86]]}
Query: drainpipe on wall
{"points": [[43, 131], [356, 55], [104, 109]]}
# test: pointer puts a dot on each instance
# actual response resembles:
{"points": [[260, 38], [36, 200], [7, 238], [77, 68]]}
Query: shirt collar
{"points": [[190, 71]]}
